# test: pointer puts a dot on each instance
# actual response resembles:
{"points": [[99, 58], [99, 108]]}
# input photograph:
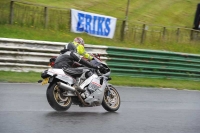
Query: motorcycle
{"points": [[61, 92]]}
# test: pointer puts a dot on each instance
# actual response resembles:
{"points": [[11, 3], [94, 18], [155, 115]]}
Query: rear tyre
{"points": [[111, 101], [56, 100]]}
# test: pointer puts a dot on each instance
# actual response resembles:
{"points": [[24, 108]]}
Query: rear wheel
{"points": [[111, 101], [56, 99]]}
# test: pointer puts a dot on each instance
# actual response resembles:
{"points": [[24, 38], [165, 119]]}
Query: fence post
{"points": [[11, 12], [143, 33], [178, 33], [46, 17], [123, 29], [164, 32], [135, 32], [192, 35]]}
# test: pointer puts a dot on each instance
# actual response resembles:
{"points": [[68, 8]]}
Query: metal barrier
{"points": [[154, 64], [30, 55]]}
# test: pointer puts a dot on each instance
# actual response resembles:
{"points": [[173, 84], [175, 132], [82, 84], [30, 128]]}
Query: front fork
{"points": [[108, 90]]}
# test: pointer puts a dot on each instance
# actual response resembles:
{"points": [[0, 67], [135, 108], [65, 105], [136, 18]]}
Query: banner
{"points": [[93, 24]]}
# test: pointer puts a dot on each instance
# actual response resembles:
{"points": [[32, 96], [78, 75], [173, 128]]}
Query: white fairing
{"points": [[87, 81], [61, 75], [96, 96], [96, 89]]}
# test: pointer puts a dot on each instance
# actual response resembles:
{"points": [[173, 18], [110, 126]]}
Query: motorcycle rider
{"points": [[79, 44], [66, 60]]}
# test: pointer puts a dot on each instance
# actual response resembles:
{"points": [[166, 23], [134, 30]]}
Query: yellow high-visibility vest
{"points": [[81, 50]]}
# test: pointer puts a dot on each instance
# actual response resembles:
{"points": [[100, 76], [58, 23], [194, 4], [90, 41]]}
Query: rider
{"points": [[66, 60], [79, 44]]}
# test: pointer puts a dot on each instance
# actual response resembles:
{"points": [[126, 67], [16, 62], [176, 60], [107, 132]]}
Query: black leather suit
{"points": [[67, 59]]}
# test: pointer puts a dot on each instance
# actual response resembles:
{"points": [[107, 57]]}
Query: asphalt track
{"points": [[24, 109]]}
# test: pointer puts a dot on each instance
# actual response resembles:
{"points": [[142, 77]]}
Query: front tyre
{"points": [[111, 101], [56, 99]]}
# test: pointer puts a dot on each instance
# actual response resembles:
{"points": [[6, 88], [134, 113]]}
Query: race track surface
{"points": [[24, 109]]}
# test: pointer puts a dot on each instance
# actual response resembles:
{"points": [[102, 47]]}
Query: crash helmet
{"points": [[79, 40], [70, 47]]}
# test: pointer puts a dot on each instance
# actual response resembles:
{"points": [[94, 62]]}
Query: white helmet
{"points": [[79, 40]]}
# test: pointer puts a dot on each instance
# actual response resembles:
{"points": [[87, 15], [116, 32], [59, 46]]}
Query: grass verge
{"points": [[14, 31], [33, 77]]}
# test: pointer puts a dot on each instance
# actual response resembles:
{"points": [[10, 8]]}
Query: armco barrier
{"points": [[154, 64], [31, 55]]}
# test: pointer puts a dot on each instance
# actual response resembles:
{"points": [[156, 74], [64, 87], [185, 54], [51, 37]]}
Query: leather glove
{"points": [[101, 68]]}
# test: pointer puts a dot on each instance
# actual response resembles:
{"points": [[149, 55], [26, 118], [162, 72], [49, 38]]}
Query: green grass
{"points": [[160, 12], [19, 77], [158, 83], [33, 77], [31, 33]]}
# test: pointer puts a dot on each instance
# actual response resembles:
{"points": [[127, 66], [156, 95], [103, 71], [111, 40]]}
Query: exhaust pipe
{"points": [[65, 86], [70, 88]]}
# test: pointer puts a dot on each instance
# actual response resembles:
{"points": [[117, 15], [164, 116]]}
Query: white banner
{"points": [[93, 24]]}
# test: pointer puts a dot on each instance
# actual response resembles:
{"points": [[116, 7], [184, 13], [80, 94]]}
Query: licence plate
{"points": [[45, 81]]}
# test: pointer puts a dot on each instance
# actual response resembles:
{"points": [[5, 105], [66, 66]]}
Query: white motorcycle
{"points": [[61, 92]]}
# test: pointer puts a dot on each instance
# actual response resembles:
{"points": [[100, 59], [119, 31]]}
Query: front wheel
{"points": [[56, 99], [111, 101]]}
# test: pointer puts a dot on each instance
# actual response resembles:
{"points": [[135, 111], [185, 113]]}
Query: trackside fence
{"points": [[154, 64], [30, 55]]}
